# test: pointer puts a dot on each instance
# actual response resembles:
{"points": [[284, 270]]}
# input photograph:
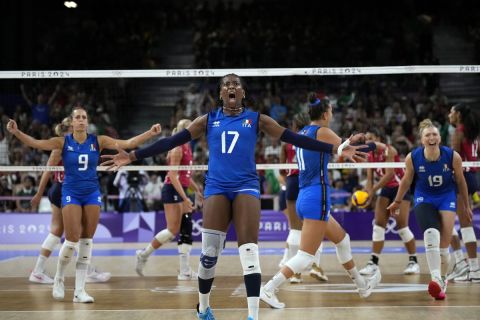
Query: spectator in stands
{"points": [[40, 109], [26, 190], [153, 192]]}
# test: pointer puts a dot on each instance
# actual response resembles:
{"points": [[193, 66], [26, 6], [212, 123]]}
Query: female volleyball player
{"points": [[178, 208], [81, 198], [231, 188], [38, 274], [313, 207], [438, 173], [465, 141], [389, 179]]}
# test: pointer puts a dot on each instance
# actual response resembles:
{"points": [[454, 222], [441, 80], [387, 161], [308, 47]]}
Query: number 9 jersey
{"points": [[434, 180], [231, 144], [80, 162]]}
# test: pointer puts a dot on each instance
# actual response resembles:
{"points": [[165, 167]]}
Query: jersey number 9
{"points": [[83, 162]]}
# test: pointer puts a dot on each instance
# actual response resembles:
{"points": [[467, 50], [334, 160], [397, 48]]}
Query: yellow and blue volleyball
{"points": [[359, 199]]}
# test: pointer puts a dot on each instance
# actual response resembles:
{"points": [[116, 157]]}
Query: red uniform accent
{"points": [[58, 176], [187, 159], [380, 155], [468, 149], [291, 158]]}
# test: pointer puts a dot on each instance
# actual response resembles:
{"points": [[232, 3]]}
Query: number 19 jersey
{"points": [[231, 143], [80, 162], [433, 177]]}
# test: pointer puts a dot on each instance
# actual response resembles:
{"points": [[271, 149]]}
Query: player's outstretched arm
{"points": [[50, 144], [107, 142], [122, 158]]}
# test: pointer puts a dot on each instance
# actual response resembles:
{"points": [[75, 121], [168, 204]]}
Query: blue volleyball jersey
{"points": [[312, 164], [433, 177], [231, 144], [80, 162]]}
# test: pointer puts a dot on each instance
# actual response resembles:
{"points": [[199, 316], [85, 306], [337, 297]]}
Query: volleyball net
{"points": [[393, 99]]}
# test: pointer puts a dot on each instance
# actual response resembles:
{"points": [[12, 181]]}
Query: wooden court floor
{"points": [[159, 295]]}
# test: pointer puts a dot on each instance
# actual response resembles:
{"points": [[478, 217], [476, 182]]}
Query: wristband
{"points": [[345, 144]]}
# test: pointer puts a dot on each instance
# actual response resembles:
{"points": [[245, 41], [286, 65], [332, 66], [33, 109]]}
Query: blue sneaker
{"points": [[207, 315], [249, 318]]}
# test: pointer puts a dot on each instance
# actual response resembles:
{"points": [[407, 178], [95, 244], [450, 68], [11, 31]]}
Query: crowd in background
{"points": [[393, 105], [230, 34]]}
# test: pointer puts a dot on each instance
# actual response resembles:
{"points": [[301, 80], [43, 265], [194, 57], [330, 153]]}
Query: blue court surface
{"points": [[9, 254]]}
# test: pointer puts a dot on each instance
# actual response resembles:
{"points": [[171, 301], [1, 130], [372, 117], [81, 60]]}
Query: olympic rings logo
{"points": [[197, 226]]}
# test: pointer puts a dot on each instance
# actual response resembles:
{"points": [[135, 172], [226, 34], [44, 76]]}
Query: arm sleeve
{"points": [[305, 142], [371, 146], [164, 144]]}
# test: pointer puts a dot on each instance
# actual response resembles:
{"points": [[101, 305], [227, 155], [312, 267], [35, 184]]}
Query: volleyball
{"points": [[359, 198]]}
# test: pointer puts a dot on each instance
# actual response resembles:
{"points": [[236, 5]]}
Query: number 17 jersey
{"points": [[231, 143]]}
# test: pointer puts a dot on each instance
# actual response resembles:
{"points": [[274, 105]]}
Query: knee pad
{"points": [[294, 237], [67, 251], [164, 236], [344, 252], [213, 242], [468, 235], [378, 233], [431, 237], [85, 251], [300, 262], [185, 235], [454, 232], [406, 234], [50, 242], [249, 258]]}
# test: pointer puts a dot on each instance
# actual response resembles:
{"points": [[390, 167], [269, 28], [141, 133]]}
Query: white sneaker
{"points": [[271, 299], [296, 278], [470, 276], [191, 275], [318, 273], [460, 270], [369, 270], [40, 277], [412, 268], [58, 291], [81, 296], [95, 275], [141, 261], [370, 284]]}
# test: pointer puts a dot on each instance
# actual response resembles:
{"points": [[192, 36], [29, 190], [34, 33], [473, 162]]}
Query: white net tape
{"points": [[261, 72], [258, 72], [349, 165]]}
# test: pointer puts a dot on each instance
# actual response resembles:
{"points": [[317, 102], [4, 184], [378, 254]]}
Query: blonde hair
{"points": [[63, 127], [425, 124], [182, 124]]}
